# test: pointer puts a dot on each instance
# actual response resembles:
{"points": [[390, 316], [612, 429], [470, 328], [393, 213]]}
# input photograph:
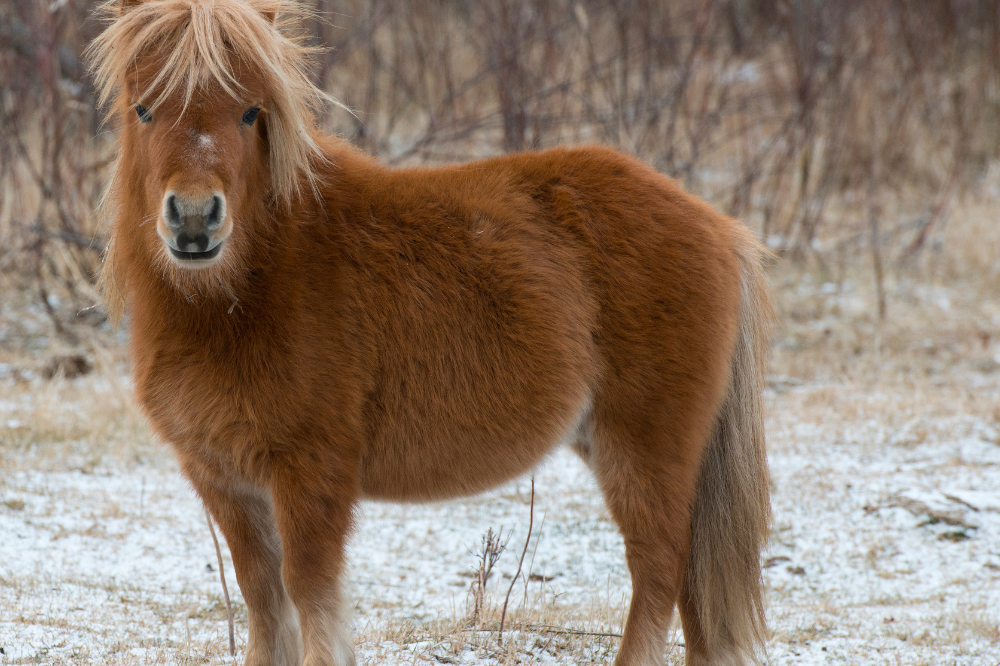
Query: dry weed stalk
{"points": [[225, 588], [520, 563], [491, 549], [547, 628]]}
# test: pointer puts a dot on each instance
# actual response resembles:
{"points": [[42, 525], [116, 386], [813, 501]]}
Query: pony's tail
{"points": [[732, 508]]}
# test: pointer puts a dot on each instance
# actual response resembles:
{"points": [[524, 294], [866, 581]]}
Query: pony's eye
{"points": [[144, 115], [250, 115]]}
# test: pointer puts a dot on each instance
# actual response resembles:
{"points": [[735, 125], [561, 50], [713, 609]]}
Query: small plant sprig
{"points": [[491, 549]]}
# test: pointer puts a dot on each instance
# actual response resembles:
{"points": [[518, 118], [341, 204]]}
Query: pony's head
{"points": [[215, 110]]}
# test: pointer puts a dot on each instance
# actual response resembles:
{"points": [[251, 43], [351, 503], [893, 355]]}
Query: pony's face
{"points": [[216, 109], [200, 163]]}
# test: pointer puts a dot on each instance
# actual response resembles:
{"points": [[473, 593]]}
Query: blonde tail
{"points": [[732, 508]]}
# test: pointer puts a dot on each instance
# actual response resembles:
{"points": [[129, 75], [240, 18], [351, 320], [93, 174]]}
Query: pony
{"points": [[310, 328]]}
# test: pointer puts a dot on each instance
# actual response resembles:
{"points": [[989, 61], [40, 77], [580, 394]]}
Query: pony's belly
{"points": [[435, 468]]}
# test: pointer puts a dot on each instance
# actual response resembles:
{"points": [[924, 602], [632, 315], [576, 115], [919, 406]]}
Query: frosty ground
{"points": [[885, 547]]}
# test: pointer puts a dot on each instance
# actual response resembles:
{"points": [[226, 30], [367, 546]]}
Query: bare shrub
{"points": [[842, 131], [52, 159]]}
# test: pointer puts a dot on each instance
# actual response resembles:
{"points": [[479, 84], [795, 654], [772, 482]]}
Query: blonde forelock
{"points": [[197, 42]]}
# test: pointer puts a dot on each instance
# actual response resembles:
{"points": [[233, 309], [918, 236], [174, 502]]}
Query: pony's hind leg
{"points": [[649, 498], [245, 517]]}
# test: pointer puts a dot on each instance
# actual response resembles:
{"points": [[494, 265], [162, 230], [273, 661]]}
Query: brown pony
{"points": [[310, 328]]}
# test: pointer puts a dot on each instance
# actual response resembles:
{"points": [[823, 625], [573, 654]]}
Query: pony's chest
{"points": [[200, 399]]}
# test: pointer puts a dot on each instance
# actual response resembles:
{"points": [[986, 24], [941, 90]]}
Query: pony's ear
{"points": [[269, 15]]}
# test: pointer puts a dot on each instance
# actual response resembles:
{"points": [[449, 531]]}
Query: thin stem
{"points": [[225, 589], [520, 563]]}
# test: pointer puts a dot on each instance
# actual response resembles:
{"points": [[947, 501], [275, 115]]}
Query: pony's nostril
{"points": [[173, 215], [214, 218]]}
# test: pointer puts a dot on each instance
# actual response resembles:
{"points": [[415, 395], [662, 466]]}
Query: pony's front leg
{"points": [[313, 508], [245, 517]]}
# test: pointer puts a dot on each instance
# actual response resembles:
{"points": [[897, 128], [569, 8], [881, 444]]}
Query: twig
{"points": [[225, 589], [547, 628], [531, 523]]}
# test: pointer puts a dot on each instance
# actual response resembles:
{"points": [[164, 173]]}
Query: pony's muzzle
{"points": [[193, 225]]}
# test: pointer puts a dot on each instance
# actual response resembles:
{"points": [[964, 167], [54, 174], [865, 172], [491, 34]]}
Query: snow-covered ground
{"points": [[886, 550]]}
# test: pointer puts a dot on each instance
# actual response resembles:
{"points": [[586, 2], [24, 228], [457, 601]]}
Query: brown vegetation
{"points": [[843, 132]]}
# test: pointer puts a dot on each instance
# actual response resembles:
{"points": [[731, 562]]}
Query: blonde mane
{"points": [[199, 40]]}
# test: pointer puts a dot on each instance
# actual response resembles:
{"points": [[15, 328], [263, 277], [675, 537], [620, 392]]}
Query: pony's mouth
{"points": [[196, 256]]}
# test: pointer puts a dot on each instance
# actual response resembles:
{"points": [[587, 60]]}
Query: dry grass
{"points": [[943, 315], [539, 629], [87, 424]]}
